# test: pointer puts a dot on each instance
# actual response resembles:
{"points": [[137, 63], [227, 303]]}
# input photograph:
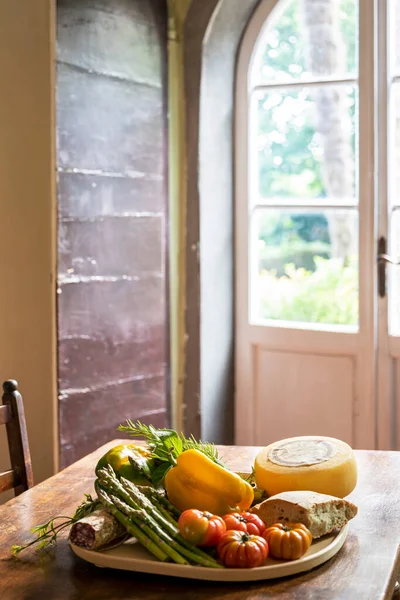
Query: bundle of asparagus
{"points": [[147, 515]]}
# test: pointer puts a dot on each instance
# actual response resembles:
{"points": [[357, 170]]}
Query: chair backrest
{"points": [[12, 416]]}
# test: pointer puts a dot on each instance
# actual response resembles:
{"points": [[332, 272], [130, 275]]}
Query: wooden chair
{"points": [[13, 417]]}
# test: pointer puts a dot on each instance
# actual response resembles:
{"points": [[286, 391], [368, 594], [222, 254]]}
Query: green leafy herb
{"points": [[259, 494], [159, 473], [46, 534], [251, 479], [166, 445]]}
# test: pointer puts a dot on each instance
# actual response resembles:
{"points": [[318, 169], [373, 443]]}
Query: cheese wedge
{"points": [[315, 463]]}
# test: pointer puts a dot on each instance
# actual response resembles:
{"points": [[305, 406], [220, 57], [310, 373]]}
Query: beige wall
{"points": [[27, 219]]}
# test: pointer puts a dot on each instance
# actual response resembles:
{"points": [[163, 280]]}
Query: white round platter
{"points": [[131, 556]]}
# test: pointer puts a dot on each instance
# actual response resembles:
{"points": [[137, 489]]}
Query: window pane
{"points": [[306, 143], [305, 266], [394, 143], [394, 20], [305, 39], [394, 275]]}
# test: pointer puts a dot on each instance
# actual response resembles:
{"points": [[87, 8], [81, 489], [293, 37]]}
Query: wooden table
{"points": [[365, 569]]}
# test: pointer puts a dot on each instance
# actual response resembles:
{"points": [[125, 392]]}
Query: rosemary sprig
{"points": [[166, 445], [46, 534]]}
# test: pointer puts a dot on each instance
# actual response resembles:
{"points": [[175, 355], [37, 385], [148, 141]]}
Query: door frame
{"points": [[387, 387]]}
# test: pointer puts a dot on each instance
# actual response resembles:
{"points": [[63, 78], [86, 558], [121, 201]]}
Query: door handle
{"points": [[383, 258], [388, 259]]}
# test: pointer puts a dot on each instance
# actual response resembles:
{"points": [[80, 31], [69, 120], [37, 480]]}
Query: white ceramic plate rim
{"points": [[311, 560]]}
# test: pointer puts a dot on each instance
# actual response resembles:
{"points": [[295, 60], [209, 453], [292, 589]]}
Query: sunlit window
{"points": [[303, 165]]}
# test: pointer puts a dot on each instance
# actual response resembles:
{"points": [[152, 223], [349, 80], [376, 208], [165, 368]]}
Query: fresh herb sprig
{"points": [[259, 494], [251, 479], [166, 445], [46, 534]]}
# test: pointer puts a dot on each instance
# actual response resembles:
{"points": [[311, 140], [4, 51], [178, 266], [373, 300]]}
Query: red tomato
{"points": [[242, 550], [201, 528], [244, 521]]}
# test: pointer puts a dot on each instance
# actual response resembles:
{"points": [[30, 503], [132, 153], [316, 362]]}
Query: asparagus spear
{"points": [[154, 499], [134, 504], [160, 498], [133, 529], [109, 480], [142, 467], [147, 521], [128, 492], [153, 532], [164, 513], [157, 512], [143, 502]]}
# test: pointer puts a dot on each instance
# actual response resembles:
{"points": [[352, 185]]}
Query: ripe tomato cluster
{"points": [[241, 539]]}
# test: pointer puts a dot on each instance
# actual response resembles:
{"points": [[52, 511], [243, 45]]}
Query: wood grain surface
{"points": [[365, 568]]}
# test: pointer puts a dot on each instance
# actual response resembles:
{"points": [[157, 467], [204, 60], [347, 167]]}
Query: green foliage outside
{"points": [[326, 295], [290, 156], [298, 279], [297, 253]]}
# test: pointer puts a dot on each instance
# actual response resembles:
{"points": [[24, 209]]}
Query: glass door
{"points": [[305, 223], [304, 159]]}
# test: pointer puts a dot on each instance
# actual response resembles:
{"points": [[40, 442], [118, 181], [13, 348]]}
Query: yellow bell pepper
{"points": [[198, 482]]}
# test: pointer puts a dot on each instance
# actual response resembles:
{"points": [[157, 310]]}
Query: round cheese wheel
{"points": [[314, 463]]}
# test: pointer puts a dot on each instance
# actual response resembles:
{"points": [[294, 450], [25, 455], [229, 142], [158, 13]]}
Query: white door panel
{"points": [[303, 394]]}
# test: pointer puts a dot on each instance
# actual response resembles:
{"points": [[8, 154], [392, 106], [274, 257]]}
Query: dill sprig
{"points": [[166, 445], [46, 534]]}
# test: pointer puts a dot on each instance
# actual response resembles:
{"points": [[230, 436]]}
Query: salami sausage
{"points": [[95, 530]]}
